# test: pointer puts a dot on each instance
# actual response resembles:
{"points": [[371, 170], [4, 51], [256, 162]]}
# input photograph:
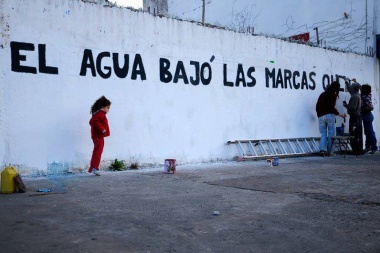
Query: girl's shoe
{"points": [[372, 151], [96, 172]]}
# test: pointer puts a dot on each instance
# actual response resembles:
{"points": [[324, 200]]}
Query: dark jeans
{"points": [[356, 130], [370, 136]]}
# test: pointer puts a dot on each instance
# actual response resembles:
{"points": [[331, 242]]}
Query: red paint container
{"points": [[170, 166]]}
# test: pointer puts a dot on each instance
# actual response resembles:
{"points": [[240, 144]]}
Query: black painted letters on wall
{"points": [[105, 72], [288, 80], [192, 72], [17, 57]]}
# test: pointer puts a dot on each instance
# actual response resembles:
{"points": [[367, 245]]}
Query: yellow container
{"points": [[8, 184]]}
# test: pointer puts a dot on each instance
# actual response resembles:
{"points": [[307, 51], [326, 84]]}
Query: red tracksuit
{"points": [[99, 130]]}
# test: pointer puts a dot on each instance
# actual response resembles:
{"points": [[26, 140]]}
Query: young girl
{"points": [[99, 130]]}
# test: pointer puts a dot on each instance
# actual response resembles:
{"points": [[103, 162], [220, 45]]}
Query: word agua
{"points": [[105, 72]]}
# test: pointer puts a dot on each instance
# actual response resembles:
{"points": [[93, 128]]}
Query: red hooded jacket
{"points": [[98, 124]]}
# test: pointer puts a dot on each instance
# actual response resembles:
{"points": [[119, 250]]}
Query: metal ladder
{"points": [[256, 149]]}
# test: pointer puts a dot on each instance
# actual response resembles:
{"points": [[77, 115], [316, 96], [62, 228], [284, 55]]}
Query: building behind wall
{"points": [[156, 7]]}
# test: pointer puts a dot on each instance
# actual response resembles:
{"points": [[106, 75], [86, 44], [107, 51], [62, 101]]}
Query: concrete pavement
{"points": [[307, 204]]}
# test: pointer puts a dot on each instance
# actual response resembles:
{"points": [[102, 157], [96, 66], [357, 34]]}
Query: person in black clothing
{"points": [[367, 116], [355, 121], [326, 112]]}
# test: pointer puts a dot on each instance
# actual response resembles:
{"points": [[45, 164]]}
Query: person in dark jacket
{"points": [[367, 116], [355, 122], [326, 112], [99, 130]]}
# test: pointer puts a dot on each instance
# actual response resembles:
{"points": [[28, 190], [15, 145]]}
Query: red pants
{"points": [[96, 153]]}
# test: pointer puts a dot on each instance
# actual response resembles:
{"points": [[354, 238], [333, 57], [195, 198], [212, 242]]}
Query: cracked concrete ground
{"points": [[308, 204]]}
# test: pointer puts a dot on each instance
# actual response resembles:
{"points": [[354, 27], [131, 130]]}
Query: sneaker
{"points": [[96, 172], [367, 150], [372, 151]]}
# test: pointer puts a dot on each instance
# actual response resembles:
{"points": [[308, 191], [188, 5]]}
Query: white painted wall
{"points": [[44, 117]]}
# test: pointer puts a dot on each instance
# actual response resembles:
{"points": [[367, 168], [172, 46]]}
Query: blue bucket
{"points": [[339, 131], [275, 161]]}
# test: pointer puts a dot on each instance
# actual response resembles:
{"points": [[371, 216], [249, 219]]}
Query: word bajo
{"points": [[202, 72]]}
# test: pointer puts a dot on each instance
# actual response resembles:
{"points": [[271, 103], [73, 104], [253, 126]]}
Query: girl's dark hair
{"points": [[334, 88], [366, 89], [99, 104]]}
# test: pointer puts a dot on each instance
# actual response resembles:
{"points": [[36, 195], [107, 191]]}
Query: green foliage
{"points": [[117, 165]]}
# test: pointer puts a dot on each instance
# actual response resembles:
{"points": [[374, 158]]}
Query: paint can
{"points": [[276, 161], [169, 166], [8, 184]]}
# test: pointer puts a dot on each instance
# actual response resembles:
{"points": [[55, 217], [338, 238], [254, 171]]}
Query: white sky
{"points": [[132, 3]]}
